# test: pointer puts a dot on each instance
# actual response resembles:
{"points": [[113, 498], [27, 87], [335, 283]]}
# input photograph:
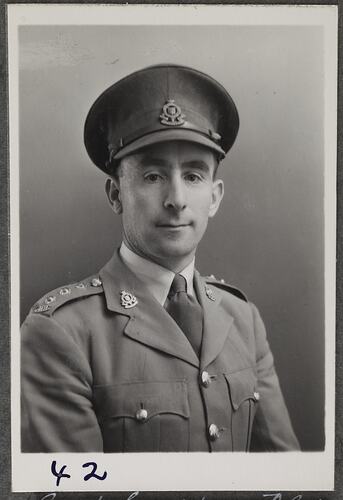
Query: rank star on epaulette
{"points": [[50, 299], [211, 277]]}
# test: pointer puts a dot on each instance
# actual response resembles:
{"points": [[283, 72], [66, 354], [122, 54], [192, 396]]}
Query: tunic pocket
{"points": [[243, 394], [143, 416]]}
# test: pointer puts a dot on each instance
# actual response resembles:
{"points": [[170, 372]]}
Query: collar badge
{"points": [[171, 114], [127, 299], [209, 293]]}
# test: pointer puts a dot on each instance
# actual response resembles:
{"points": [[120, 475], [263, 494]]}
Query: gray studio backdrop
{"points": [[267, 238]]}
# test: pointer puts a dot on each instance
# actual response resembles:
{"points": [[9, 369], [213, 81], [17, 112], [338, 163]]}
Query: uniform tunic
{"points": [[105, 368]]}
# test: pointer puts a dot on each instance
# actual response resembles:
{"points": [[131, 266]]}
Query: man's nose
{"points": [[175, 197]]}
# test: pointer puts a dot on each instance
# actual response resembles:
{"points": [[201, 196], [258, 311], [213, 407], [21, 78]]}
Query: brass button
{"points": [[205, 379], [141, 415], [65, 291], [257, 396], [213, 432]]}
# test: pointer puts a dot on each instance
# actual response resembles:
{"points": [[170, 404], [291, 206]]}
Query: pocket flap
{"points": [[126, 399], [242, 386]]}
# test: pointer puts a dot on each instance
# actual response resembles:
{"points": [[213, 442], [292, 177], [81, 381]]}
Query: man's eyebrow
{"points": [[197, 164]]}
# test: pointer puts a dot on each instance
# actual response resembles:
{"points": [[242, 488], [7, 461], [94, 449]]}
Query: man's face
{"points": [[166, 193]]}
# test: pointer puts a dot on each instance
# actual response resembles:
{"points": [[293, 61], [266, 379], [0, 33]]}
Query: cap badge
{"points": [[172, 114], [127, 299], [209, 293]]}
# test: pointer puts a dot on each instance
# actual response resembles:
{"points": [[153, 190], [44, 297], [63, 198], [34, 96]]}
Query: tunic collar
{"points": [[156, 278], [150, 324]]}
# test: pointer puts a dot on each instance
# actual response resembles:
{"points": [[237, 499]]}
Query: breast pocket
{"points": [[243, 394], [143, 416]]}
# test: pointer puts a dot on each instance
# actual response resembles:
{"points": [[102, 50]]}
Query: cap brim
{"points": [[168, 135]]}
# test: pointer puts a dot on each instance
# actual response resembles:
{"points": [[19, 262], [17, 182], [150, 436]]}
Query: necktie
{"points": [[185, 311]]}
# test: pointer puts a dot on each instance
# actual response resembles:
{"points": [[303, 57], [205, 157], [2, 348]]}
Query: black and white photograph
{"points": [[173, 221]]}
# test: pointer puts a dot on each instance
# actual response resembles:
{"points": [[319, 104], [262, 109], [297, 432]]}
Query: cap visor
{"points": [[168, 135]]}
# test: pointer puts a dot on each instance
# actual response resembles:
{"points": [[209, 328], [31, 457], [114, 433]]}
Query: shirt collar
{"points": [[156, 278]]}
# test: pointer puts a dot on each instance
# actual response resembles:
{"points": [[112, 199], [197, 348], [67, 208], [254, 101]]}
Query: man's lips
{"points": [[173, 225]]}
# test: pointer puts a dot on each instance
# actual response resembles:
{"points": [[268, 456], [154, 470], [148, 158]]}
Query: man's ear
{"points": [[112, 188], [217, 196]]}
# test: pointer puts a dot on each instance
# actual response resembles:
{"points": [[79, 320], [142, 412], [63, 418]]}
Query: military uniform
{"points": [[105, 368]]}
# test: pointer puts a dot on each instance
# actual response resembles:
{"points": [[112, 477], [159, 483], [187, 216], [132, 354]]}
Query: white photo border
{"points": [[212, 472]]}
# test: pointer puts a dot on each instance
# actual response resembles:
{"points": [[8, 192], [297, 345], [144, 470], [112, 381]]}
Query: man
{"points": [[147, 355]]}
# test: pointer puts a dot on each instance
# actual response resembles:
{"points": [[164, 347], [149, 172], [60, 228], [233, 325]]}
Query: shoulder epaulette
{"points": [[48, 304], [224, 286]]}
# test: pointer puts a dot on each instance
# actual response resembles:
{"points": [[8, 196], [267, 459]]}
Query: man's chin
{"points": [[174, 250]]}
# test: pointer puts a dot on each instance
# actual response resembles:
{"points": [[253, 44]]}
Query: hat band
{"points": [[128, 139]]}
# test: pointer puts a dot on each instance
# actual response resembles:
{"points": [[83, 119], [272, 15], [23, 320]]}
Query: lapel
{"points": [[149, 323], [217, 321]]}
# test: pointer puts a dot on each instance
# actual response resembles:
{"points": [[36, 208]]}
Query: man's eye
{"points": [[152, 177], [193, 178]]}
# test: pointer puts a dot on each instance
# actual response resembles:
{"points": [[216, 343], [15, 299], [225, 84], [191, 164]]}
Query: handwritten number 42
{"points": [[60, 474]]}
